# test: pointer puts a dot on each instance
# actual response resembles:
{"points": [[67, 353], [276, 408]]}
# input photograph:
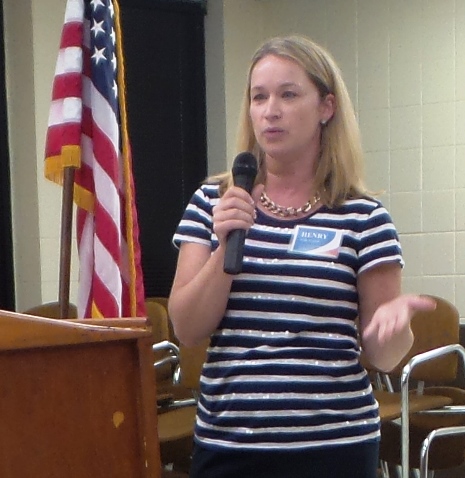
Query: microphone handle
{"points": [[234, 252]]}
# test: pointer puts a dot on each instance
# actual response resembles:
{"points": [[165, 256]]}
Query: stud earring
{"points": [[323, 122]]}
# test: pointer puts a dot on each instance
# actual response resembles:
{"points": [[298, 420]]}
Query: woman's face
{"points": [[286, 108]]}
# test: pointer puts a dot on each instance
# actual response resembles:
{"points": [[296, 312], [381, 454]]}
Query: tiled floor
{"points": [[173, 474]]}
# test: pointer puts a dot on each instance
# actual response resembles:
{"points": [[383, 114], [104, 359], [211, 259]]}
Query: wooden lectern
{"points": [[77, 400]]}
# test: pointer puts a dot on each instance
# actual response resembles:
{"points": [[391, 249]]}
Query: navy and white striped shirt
{"points": [[282, 368]]}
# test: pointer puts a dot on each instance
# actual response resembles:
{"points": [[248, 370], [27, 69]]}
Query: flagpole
{"points": [[84, 137], [65, 241]]}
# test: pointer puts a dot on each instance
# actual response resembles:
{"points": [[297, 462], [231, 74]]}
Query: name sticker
{"points": [[316, 241]]}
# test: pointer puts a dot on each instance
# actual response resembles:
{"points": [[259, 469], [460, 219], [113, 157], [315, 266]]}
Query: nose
{"points": [[272, 109]]}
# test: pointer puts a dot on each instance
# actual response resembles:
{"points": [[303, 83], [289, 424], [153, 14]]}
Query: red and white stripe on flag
{"points": [[87, 130]]}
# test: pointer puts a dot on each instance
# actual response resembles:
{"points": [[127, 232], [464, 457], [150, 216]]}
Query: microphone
{"points": [[244, 171]]}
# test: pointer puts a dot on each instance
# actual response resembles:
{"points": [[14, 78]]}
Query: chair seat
{"points": [[176, 424], [176, 392], [445, 452], [390, 403], [437, 418]]}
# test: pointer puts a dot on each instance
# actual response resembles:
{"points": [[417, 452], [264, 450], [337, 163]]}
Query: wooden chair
{"points": [[51, 310], [164, 362], [178, 388], [403, 443], [434, 331]]}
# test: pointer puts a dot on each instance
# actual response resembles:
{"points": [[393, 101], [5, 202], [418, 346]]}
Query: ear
{"points": [[327, 108]]}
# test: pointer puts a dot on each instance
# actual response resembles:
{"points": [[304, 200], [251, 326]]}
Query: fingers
{"points": [[390, 319], [387, 323], [420, 302], [393, 318], [235, 210], [257, 191]]}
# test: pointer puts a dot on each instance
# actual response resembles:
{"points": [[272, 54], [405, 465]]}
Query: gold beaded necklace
{"points": [[282, 211]]}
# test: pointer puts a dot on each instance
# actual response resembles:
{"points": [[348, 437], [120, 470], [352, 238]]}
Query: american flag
{"points": [[87, 130]]}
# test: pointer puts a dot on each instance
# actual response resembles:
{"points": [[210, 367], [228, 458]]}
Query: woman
{"points": [[283, 393]]}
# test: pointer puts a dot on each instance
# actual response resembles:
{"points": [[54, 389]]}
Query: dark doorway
{"points": [[7, 288], [165, 81]]}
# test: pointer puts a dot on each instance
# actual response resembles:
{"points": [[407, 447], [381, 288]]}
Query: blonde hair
{"points": [[339, 172]]}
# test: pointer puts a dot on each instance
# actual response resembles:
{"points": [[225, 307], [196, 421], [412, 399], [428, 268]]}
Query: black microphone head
{"points": [[245, 163], [244, 170]]}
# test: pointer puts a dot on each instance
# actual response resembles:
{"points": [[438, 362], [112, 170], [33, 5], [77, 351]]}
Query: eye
{"points": [[258, 97], [289, 94]]}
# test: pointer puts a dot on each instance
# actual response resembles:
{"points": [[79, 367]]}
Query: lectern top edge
{"points": [[25, 331]]}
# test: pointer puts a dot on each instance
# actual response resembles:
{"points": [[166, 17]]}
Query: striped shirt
{"points": [[282, 369]]}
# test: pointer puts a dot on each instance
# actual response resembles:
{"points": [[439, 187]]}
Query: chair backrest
{"points": [[51, 310], [192, 360], [432, 329], [158, 316], [164, 302]]}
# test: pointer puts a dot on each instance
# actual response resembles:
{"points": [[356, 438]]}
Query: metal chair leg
{"points": [[384, 469], [424, 453]]}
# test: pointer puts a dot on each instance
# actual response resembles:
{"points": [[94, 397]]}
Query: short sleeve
{"points": [[379, 241], [196, 224]]}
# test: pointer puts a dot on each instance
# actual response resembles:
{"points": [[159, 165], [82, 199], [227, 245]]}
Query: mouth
{"points": [[273, 132]]}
